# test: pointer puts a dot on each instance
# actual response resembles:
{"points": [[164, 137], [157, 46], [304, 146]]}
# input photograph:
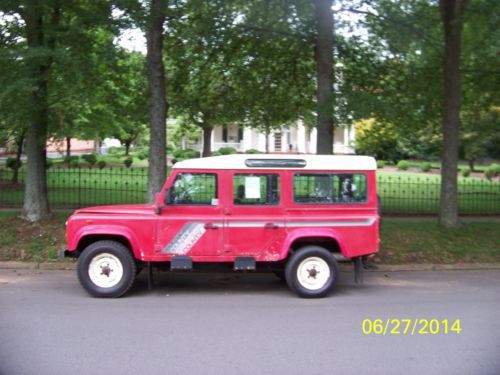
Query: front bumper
{"points": [[68, 254]]}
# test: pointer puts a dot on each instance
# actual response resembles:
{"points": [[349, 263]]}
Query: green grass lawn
{"points": [[424, 241], [402, 241]]}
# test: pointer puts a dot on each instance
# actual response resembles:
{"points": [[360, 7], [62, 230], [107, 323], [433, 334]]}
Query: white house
{"points": [[288, 139]]}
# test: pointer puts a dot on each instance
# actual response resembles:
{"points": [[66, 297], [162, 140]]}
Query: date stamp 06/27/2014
{"points": [[412, 327]]}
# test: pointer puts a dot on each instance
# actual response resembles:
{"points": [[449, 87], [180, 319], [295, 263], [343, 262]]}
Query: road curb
{"points": [[61, 266], [434, 267]]}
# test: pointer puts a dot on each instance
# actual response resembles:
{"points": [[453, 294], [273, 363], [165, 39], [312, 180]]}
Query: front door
{"points": [[253, 218], [191, 223]]}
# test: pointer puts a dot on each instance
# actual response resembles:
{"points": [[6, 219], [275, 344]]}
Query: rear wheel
{"points": [[106, 269], [311, 272]]}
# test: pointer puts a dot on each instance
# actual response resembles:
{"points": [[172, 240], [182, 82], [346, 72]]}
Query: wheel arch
{"points": [[121, 235], [328, 239]]}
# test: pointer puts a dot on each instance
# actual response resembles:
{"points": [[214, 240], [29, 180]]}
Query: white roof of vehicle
{"points": [[312, 162]]}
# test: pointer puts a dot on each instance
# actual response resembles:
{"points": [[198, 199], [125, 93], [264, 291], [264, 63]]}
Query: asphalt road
{"points": [[249, 324]]}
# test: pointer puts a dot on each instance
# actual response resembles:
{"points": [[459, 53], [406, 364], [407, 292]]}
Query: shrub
{"points": [[252, 151], [489, 173], [425, 167], [227, 150], [186, 154], [13, 163], [128, 162], [101, 164], [90, 158], [403, 165], [69, 159], [495, 167], [143, 153], [116, 150], [74, 163], [466, 172], [380, 164]]}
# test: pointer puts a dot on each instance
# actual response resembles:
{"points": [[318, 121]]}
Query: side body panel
{"points": [[354, 226]]}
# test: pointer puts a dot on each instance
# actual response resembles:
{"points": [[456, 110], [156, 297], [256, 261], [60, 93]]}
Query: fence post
{"points": [[79, 187]]}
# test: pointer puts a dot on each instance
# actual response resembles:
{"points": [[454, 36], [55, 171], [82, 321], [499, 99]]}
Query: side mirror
{"points": [[158, 204]]}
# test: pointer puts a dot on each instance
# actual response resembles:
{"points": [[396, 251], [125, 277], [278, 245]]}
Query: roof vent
{"points": [[275, 163]]}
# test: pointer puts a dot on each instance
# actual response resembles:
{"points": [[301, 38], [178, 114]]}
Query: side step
{"points": [[181, 263], [244, 264]]}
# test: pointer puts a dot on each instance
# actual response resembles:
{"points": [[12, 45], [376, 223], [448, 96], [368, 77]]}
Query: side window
{"points": [[329, 188], [194, 189], [256, 189]]}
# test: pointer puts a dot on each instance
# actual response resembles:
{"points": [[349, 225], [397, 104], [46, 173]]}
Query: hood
{"points": [[123, 209]]}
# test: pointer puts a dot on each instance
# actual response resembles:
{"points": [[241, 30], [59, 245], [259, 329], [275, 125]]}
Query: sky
{"points": [[133, 39]]}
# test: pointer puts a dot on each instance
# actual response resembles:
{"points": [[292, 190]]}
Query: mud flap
{"points": [[358, 270], [150, 276]]}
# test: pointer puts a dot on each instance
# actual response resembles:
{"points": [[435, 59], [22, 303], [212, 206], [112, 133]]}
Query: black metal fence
{"points": [[405, 194], [80, 187]]}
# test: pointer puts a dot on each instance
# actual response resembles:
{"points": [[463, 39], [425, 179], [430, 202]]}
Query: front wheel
{"points": [[311, 272], [106, 269]]}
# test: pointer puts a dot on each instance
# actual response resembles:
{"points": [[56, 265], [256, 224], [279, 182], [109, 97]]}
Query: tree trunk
{"points": [[36, 205], [127, 146], [451, 15], [19, 152], [207, 140], [158, 105], [268, 131], [68, 148], [324, 76], [471, 165]]}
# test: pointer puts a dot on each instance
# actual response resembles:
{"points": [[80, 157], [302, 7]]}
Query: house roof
{"points": [[281, 161]]}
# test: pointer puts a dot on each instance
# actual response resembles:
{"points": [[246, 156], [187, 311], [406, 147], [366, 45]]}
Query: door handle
{"points": [[271, 226], [211, 226]]}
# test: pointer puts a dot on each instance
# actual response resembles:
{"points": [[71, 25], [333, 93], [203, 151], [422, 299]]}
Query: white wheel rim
{"points": [[105, 270], [313, 273]]}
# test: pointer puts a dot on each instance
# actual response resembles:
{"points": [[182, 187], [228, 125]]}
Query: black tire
{"points": [[315, 263], [117, 265]]}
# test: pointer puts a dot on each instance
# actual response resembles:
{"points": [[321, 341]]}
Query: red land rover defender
{"points": [[294, 215]]}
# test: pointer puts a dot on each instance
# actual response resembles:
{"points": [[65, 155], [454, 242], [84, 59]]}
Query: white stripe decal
{"points": [[336, 223], [185, 239], [249, 224], [292, 224]]}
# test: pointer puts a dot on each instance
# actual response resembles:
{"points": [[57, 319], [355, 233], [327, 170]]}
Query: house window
{"points": [[338, 188], [224, 134]]}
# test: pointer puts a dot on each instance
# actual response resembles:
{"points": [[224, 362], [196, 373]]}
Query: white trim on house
{"points": [[292, 139]]}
